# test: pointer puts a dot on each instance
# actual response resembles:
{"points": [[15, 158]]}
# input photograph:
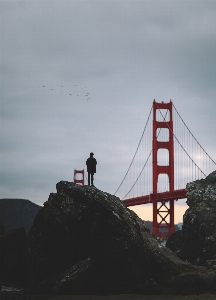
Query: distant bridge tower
{"points": [[76, 180], [164, 212]]}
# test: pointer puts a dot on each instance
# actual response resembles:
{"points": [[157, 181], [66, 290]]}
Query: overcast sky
{"points": [[114, 58]]}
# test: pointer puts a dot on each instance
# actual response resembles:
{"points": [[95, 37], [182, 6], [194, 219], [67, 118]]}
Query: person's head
{"points": [[91, 154]]}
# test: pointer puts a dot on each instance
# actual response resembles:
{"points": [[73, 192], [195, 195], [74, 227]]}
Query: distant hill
{"points": [[17, 213], [177, 226]]}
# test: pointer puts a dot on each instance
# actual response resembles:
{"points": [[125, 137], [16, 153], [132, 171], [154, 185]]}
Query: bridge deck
{"points": [[165, 196]]}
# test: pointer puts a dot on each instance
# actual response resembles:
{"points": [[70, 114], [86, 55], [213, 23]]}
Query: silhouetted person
{"points": [[91, 168]]}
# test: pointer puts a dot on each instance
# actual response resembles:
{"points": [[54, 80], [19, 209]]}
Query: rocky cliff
{"points": [[197, 240], [86, 241]]}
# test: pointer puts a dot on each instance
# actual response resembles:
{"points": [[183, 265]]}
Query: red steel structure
{"points": [[163, 216], [79, 181], [163, 211]]}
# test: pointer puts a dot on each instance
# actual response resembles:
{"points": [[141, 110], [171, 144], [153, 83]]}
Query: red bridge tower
{"points": [[76, 180], [164, 212]]}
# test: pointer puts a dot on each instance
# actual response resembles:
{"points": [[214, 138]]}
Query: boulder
{"points": [[197, 240], [174, 242], [85, 240]]}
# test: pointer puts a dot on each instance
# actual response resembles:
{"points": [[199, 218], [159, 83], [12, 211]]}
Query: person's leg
{"points": [[92, 178], [88, 178]]}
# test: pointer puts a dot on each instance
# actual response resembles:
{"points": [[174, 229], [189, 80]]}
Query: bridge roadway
{"points": [[159, 197]]}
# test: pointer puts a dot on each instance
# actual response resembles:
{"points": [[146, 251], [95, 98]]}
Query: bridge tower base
{"points": [[163, 211]]}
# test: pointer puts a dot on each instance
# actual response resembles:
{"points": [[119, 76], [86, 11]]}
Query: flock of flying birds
{"points": [[74, 94]]}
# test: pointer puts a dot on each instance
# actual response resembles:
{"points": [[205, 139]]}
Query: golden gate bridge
{"points": [[167, 157]]}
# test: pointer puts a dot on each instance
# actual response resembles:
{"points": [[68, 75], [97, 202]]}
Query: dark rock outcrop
{"points": [[2, 228], [16, 218], [175, 241], [18, 213], [197, 240], [86, 241], [13, 258]]}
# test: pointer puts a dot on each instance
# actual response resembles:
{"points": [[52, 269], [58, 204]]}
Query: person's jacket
{"points": [[91, 165]]}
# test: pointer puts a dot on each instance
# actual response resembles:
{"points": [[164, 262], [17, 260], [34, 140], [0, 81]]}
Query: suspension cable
{"points": [[194, 136], [138, 175], [181, 144], [164, 118], [135, 152], [145, 162]]}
